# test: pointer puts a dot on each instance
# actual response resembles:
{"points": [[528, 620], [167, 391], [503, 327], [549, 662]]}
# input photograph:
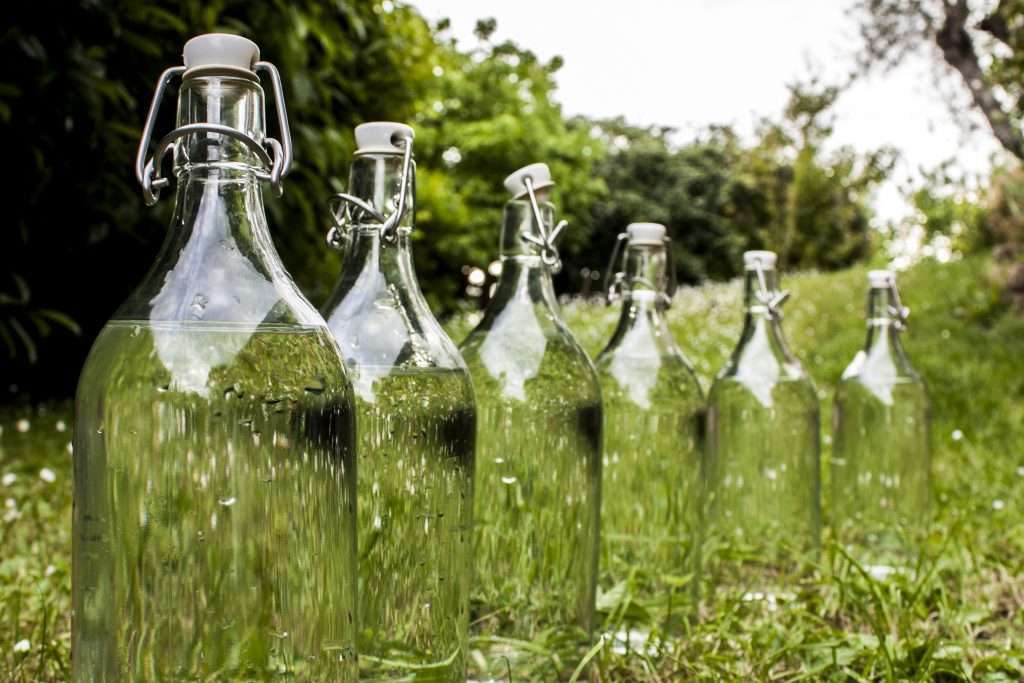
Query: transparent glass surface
{"points": [[762, 467], [214, 517], [881, 468], [539, 441], [416, 424], [653, 413]]}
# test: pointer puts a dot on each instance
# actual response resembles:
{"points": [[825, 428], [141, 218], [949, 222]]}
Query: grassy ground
{"points": [[960, 618]]}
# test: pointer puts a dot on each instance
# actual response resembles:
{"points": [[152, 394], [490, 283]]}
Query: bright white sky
{"points": [[689, 63]]}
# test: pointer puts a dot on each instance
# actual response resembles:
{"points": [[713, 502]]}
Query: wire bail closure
{"points": [[546, 242], [897, 310], [348, 210], [276, 156], [772, 301], [615, 280]]}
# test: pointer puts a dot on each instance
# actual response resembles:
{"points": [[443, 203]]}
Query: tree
{"points": [[719, 196], [985, 46], [76, 235], [492, 111]]}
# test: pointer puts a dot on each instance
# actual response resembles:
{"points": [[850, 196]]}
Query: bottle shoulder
{"points": [[520, 358], [381, 325]]}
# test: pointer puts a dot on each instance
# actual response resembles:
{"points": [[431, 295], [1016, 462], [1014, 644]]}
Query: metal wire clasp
{"points": [[897, 310], [772, 301], [546, 242], [276, 156], [343, 205], [615, 279]]}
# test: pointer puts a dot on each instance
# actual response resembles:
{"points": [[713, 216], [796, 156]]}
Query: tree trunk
{"points": [[958, 51]]}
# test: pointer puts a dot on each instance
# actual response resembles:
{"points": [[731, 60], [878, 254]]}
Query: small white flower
{"points": [[71, 448], [47, 475], [10, 503], [22, 645], [9, 479], [998, 504], [1020, 471], [50, 570], [12, 514], [23, 425], [957, 435], [62, 426]]}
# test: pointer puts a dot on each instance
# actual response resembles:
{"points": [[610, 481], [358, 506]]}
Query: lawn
{"points": [[961, 617]]}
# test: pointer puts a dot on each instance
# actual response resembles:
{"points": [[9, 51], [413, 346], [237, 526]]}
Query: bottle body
{"points": [[214, 518], [881, 469], [539, 466], [213, 526], [762, 478], [416, 424], [653, 413]]}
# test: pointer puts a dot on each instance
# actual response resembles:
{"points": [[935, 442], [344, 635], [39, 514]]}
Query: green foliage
{"points": [[719, 196], [72, 101], [491, 113], [960, 619]]}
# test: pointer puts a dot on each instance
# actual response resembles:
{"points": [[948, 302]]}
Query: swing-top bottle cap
{"points": [[646, 233], [221, 51], [382, 137], [539, 174], [766, 258], [881, 278]]}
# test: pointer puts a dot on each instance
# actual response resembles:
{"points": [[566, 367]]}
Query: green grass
{"points": [[960, 618]]}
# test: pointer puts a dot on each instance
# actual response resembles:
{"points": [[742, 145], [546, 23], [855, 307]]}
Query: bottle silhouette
{"points": [[416, 424], [539, 470], [881, 468], [762, 479], [653, 409], [214, 520]]}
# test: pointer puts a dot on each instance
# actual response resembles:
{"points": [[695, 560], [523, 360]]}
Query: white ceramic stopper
{"points": [[767, 258], [881, 278], [221, 50], [380, 137], [646, 233], [539, 175]]}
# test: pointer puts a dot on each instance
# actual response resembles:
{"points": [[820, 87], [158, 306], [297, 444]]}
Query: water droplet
{"points": [[198, 307]]}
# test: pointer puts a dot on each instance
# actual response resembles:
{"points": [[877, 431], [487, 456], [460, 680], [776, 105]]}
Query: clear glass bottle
{"points": [[416, 422], [539, 472], [214, 521], [762, 466], [881, 466], [653, 414]]}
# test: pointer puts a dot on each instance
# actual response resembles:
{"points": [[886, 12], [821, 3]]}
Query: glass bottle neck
{"points": [[752, 287], [519, 219], [762, 331], [377, 180], [883, 326], [646, 275], [226, 100], [524, 276]]}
